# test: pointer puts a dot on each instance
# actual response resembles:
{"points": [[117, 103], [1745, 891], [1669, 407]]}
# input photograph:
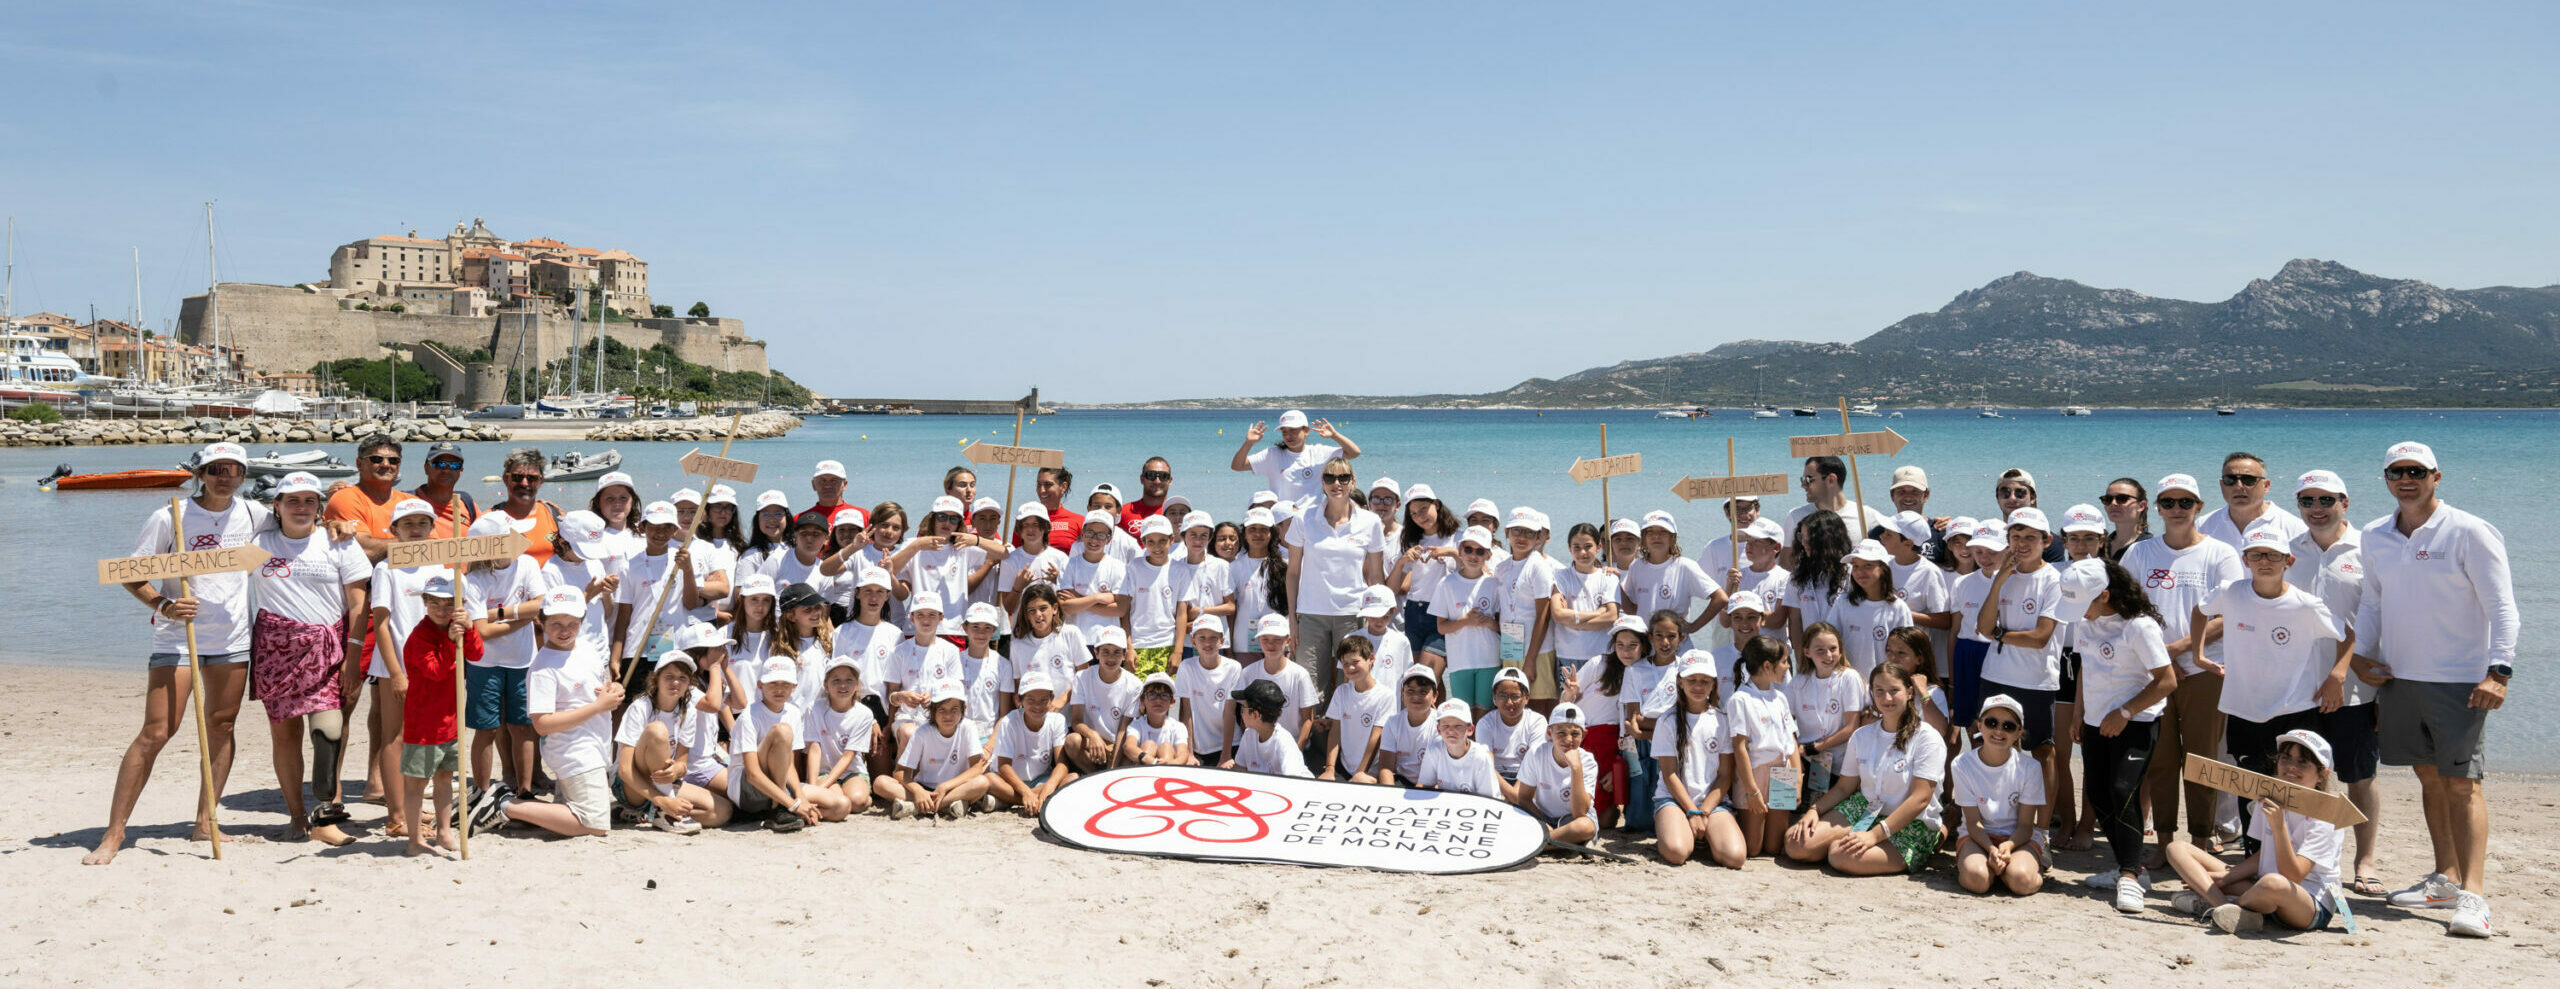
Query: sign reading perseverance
{"points": [[1222, 815]]}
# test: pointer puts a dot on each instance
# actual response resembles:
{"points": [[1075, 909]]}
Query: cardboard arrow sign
{"points": [[1014, 456], [1592, 470], [462, 549], [1886, 443], [164, 566], [2334, 808], [718, 468], [1738, 486]]}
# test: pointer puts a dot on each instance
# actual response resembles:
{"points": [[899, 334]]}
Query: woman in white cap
{"points": [[2293, 878], [1425, 544], [616, 500], [1336, 550], [397, 602], [768, 535], [1290, 467], [2178, 570], [1557, 777], [1881, 815], [1689, 804], [310, 622], [1663, 579], [1871, 609], [218, 607]]}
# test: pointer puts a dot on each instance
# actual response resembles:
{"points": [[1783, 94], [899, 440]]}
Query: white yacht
{"points": [[1866, 409], [2077, 410], [31, 373]]}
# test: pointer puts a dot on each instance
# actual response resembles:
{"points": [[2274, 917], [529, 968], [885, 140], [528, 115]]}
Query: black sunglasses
{"points": [[1340, 478], [380, 459], [1990, 725], [524, 478], [2119, 499], [444, 465], [1474, 551], [2243, 480], [2410, 473], [2176, 503], [1156, 475], [2016, 492], [2316, 501]]}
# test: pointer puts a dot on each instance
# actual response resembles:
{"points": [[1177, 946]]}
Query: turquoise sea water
{"points": [[2497, 464]]}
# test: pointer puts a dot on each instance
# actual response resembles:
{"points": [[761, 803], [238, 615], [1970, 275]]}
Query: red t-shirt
{"points": [[427, 713], [1064, 526], [1136, 513]]}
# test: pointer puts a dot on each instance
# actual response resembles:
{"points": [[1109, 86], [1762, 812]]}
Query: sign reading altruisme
{"points": [[1223, 815], [2319, 805]]}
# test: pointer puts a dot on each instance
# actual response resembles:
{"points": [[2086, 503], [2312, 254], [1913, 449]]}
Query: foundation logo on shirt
{"points": [[1882, 631], [276, 567], [2281, 635], [2423, 555], [2161, 580], [2029, 604], [2107, 650], [210, 541]]}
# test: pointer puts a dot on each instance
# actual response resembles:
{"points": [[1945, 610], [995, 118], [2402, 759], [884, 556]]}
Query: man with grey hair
{"points": [[522, 474]]}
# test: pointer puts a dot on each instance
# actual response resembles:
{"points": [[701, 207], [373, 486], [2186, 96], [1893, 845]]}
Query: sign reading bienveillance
{"points": [[1222, 815]]}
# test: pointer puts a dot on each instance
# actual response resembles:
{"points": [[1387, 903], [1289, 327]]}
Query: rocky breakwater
{"points": [[246, 431], [704, 429]]}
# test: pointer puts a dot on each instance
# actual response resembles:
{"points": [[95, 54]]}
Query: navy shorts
{"points": [[1422, 629], [497, 697], [2039, 717], [2357, 744]]}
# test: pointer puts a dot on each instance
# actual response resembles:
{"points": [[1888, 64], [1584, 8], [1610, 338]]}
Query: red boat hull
{"points": [[124, 480]]}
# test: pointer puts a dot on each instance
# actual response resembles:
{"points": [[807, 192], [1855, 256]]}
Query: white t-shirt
{"points": [[1638, 685], [1107, 705], [1426, 574], [1332, 560], [306, 579], [486, 590], [1470, 773], [916, 665], [565, 680], [977, 677], [1510, 743], [1170, 733], [872, 648], [1886, 774], [786, 569], [1251, 588], [1205, 584], [1402, 745], [1702, 761], [1997, 792], [1765, 720], [836, 732], [1787, 534], [1008, 575], [2117, 656], [1033, 750], [1863, 628], [1355, 712], [223, 615], [1965, 596], [1206, 691], [1923, 586], [1583, 592], [1812, 601], [2335, 576], [399, 591], [2317, 840], [1672, 584], [717, 560], [639, 589], [1525, 582], [2179, 580], [2218, 524], [2026, 597], [1553, 782], [1152, 604], [1297, 690], [1082, 578], [1459, 595], [596, 629], [1296, 476], [936, 758], [2275, 652], [945, 572], [1823, 704], [1060, 654], [688, 727], [1392, 654], [1599, 707], [1721, 555], [747, 733], [1277, 755]]}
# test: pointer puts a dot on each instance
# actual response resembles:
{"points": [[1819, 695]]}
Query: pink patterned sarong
{"points": [[293, 666]]}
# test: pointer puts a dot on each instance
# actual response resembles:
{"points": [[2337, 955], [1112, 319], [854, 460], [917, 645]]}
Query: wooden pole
{"points": [[672, 576], [461, 703], [195, 691], [1012, 523], [1858, 508], [1604, 482], [1733, 525]]}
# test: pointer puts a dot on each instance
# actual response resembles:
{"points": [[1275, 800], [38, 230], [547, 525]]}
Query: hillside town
{"points": [[473, 272]]}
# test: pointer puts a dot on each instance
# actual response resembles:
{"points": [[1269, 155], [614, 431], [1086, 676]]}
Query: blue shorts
{"points": [[1422, 629], [1472, 686], [497, 696], [1660, 802], [160, 660]]}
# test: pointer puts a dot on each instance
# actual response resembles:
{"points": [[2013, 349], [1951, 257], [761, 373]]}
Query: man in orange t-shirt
{"points": [[369, 501], [522, 474]]}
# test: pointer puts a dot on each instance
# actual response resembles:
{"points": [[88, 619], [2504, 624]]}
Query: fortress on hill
{"points": [[470, 290]]}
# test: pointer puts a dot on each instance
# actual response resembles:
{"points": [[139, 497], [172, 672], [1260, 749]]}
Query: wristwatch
{"points": [[2503, 671]]}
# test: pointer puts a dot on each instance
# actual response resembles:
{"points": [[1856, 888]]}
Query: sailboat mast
{"points": [[141, 351], [9, 291], [213, 278]]}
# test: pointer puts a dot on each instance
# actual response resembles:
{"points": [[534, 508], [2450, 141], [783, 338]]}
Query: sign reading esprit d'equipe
{"points": [[1223, 815]]}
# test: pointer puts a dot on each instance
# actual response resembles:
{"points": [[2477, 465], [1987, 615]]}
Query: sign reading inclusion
{"points": [[1229, 816]]}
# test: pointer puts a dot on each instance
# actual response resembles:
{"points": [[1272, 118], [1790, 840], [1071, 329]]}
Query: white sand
{"points": [[876, 902]]}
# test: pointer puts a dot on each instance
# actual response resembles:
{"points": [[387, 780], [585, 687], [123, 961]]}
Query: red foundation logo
{"points": [[1146, 806], [2161, 579], [198, 542]]}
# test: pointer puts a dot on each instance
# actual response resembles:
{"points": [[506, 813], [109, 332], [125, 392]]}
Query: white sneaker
{"points": [[2107, 880], [2232, 918], [2470, 915], [2436, 892], [2189, 903], [2129, 896], [902, 810]]}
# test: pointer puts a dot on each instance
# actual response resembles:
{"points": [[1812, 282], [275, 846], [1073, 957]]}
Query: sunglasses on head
{"points": [[2316, 501], [2179, 503], [2243, 480], [2119, 499], [1990, 724], [1339, 478], [380, 459], [2410, 473]]}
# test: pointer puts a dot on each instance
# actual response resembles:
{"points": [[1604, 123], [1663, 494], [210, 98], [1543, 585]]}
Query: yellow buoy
{"points": [[866, 436]]}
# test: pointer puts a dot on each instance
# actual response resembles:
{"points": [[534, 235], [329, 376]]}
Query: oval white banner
{"points": [[1224, 815]]}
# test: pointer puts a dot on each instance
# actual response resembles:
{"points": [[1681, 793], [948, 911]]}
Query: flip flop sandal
{"points": [[2367, 886], [395, 829]]}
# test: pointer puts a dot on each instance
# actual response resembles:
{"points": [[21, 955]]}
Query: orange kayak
{"points": [[124, 479]]}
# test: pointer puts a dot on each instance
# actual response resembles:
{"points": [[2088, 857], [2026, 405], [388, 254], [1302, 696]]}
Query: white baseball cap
{"points": [[722, 494], [1287, 511], [675, 657], [1103, 517], [1420, 492], [1420, 672], [1197, 520], [2320, 480], [2084, 518], [985, 504], [2082, 582], [411, 507], [1172, 500], [1155, 525], [980, 613], [1455, 709], [1625, 526], [1525, 517], [1631, 623], [1209, 623], [772, 499], [658, 513], [2410, 451], [1032, 510], [686, 496], [2020, 475], [1377, 602], [298, 482], [222, 451], [564, 600], [1696, 664], [1511, 674], [698, 634], [1261, 498], [1871, 551], [438, 584], [1991, 536], [1259, 516], [1388, 485], [829, 468], [1111, 635], [2311, 742], [1156, 679], [755, 584], [498, 524], [872, 576], [779, 669], [1911, 476], [1271, 625], [584, 532], [1484, 507], [1034, 680], [2265, 535], [2033, 518], [2177, 482], [1478, 535], [1764, 528], [1962, 526], [947, 505], [612, 478], [924, 601], [2004, 700], [1293, 419], [1911, 525], [844, 662], [1663, 520], [1108, 488], [1740, 601], [947, 690], [1567, 713]]}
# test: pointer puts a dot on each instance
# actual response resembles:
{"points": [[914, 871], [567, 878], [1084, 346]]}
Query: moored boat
{"points": [[117, 480]]}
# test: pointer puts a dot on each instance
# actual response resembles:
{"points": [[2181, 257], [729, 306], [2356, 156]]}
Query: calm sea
{"points": [[60, 616]]}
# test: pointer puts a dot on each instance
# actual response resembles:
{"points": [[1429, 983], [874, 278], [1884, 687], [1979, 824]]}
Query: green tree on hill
{"points": [[700, 310]]}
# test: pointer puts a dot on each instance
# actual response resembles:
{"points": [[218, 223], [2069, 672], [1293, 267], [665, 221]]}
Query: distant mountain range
{"points": [[2317, 334]]}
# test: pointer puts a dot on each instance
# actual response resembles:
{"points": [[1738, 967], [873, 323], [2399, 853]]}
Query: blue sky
{"points": [[1121, 201]]}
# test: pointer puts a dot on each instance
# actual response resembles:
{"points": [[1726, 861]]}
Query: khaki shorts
{"points": [[425, 761], [589, 795]]}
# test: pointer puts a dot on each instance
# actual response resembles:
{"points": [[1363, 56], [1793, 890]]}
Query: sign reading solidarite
{"points": [[128, 569], [461, 549], [1014, 456], [1605, 467], [1223, 815]]}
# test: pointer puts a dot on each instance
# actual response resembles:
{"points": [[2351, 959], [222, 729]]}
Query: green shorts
{"points": [[424, 761], [1915, 843], [1158, 659], [1472, 686]]}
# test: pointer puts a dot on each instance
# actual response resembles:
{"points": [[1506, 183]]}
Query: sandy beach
{"points": [[882, 902]]}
